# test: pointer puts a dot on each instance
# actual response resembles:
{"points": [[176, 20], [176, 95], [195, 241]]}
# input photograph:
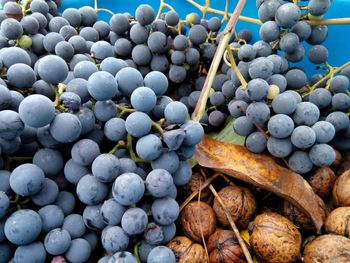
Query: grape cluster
{"points": [[92, 146]]}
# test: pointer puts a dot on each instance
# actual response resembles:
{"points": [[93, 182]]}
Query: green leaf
{"points": [[227, 134]]}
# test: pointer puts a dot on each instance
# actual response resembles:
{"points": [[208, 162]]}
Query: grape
{"points": [[105, 168], [289, 42], [321, 97], [258, 113], [72, 15], [257, 89], [128, 80], [287, 15], [256, 142], [11, 125], [91, 191], [51, 216], [123, 257], [159, 182], [178, 58], [45, 138], [23, 227], [112, 212], [27, 179], [243, 126], [263, 49], [57, 241], [300, 162], [173, 139], [85, 151], [168, 161], [228, 89], [30, 25], [11, 28], [91, 34], [39, 6], [297, 55], [302, 29], [318, 54], [79, 45], [143, 99], [40, 18], [65, 127], [5, 180], [5, 97], [50, 161], [16, 99], [92, 217], [161, 254], [318, 35], [246, 53], [138, 34], [180, 42], [13, 55], [5, 252], [21, 75], [104, 259], [237, 108], [269, 31], [339, 84], [198, 34], [165, 210], [123, 46], [339, 120], [66, 201], [192, 56], [127, 165], [322, 155], [74, 225], [102, 86], [4, 204], [267, 9], [144, 14], [149, 147], [128, 189], [318, 7], [138, 124], [74, 171], [324, 131], [78, 251], [92, 238], [295, 94], [153, 234], [79, 87], [47, 194], [280, 126], [176, 112], [156, 81], [158, 42], [303, 137], [88, 15], [194, 133], [306, 113], [144, 249], [52, 69], [340, 102], [183, 174], [278, 63], [114, 239], [36, 111], [296, 79], [34, 252], [105, 110], [114, 129], [279, 147], [134, 221]]}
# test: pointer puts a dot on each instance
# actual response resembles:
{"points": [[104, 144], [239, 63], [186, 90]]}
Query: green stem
{"points": [[119, 145], [15, 201], [131, 150], [157, 127], [124, 110], [59, 90], [136, 252]]}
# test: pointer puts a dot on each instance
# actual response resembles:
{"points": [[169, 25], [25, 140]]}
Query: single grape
{"points": [[123, 256], [92, 217], [287, 15], [303, 137], [339, 120], [85, 151], [91, 191], [318, 7], [321, 97], [112, 212], [258, 113], [128, 188], [340, 102], [300, 162], [114, 239], [51, 216], [243, 126], [280, 126], [339, 84], [149, 147], [289, 42], [256, 142], [134, 221], [78, 251], [168, 161], [144, 14], [159, 182], [257, 89], [34, 252], [57, 241], [269, 31], [198, 34], [66, 201], [306, 113], [318, 54], [165, 210], [161, 254], [246, 53], [322, 155], [279, 147], [74, 171], [48, 193], [106, 168], [65, 127]]}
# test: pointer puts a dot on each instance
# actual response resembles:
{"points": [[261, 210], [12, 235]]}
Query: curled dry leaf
{"points": [[262, 171]]}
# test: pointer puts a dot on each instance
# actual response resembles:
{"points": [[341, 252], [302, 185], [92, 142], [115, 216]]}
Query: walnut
{"points": [[196, 181], [239, 202], [328, 248], [186, 251], [198, 218], [275, 239], [322, 181], [338, 222], [341, 190]]}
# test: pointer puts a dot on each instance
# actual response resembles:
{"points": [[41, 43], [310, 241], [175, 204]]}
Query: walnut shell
{"points": [[338, 222], [223, 247], [341, 190], [198, 218], [275, 239], [239, 202], [186, 251], [299, 218], [338, 159], [197, 180], [322, 181], [328, 248]]}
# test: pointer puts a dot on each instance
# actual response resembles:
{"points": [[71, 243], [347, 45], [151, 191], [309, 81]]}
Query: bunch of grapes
{"points": [[93, 148]]}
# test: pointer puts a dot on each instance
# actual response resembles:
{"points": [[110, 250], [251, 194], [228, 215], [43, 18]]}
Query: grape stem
{"points": [[25, 9], [136, 252], [233, 225], [201, 105], [124, 110], [131, 150], [59, 90], [119, 145], [329, 75], [157, 127], [234, 67]]}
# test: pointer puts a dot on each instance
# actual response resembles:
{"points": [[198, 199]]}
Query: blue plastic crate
{"points": [[337, 42]]}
